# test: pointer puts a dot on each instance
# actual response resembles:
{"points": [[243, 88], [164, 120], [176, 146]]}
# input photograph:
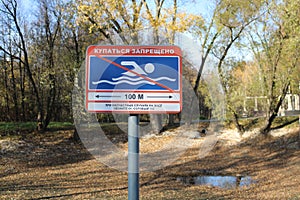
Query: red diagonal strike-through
{"points": [[144, 77]]}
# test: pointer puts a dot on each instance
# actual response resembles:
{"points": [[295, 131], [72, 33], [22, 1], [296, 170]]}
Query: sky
{"points": [[195, 6], [27, 6], [198, 7]]}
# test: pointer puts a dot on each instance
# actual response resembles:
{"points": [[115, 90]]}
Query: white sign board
{"points": [[133, 79]]}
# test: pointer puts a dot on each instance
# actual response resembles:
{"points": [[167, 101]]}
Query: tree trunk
{"points": [[22, 88], [240, 128], [76, 137], [156, 122], [171, 119], [267, 125], [50, 101], [28, 71], [6, 90], [15, 96], [273, 109]]}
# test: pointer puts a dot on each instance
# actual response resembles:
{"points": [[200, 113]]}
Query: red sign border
{"points": [[133, 50]]}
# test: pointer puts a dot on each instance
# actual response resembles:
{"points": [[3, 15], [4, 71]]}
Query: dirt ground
{"points": [[52, 166]]}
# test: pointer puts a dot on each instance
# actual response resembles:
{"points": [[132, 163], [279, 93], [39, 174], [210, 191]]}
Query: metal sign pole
{"points": [[133, 157], [154, 87]]}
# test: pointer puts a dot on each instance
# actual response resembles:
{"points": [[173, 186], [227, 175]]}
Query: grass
{"points": [[288, 121], [279, 122], [13, 128], [60, 125], [7, 127]]}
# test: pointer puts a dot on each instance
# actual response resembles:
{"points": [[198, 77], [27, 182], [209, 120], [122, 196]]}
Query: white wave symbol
{"points": [[123, 81], [132, 81], [141, 78]]}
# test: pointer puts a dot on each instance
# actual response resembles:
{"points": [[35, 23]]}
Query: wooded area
{"points": [[254, 46]]}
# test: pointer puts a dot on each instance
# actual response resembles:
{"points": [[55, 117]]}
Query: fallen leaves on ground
{"points": [[53, 166]]}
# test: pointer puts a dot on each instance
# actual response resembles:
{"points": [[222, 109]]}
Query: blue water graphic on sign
{"points": [[158, 70]]}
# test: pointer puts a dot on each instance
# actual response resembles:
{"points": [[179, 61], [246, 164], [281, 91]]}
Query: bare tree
{"points": [[9, 9]]}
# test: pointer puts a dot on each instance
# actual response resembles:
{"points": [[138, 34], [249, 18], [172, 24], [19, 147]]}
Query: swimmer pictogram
{"points": [[133, 77]]}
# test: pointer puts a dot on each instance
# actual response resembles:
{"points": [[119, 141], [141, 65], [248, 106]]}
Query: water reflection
{"points": [[227, 182]]}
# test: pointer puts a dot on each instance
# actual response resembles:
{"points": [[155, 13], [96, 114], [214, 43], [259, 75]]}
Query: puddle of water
{"points": [[227, 182]]}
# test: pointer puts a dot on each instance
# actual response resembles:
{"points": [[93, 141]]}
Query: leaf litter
{"points": [[53, 166]]}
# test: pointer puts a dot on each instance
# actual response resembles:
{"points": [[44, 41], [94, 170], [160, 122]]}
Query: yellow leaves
{"points": [[245, 73], [100, 14], [92, 28], [234, 13], [128, 17], [176, 22], [84, 8], [185, 21]]}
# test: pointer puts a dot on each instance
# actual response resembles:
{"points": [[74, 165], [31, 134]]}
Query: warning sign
{"points": [[133, 79]]}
